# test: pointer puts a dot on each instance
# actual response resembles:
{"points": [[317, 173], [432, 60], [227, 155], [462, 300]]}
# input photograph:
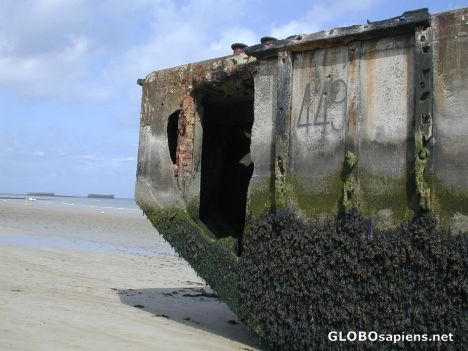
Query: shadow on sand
{"points": [[196, 307]]}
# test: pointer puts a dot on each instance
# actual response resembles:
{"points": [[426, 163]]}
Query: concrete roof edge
{"points": [[247, 59], [395, 25]]}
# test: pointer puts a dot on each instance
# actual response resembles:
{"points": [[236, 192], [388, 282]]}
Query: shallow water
{"points": [[91, 225], [54, 242], [115, 204]]}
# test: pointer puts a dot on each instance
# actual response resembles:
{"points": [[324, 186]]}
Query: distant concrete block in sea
{"points": [[40, 194], [319, 182], [100, 196]]}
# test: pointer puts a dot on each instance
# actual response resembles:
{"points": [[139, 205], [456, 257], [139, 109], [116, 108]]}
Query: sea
{"points": [[79, 201]]}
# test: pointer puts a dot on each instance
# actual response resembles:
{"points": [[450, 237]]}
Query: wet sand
{"points": [[78, 279]]}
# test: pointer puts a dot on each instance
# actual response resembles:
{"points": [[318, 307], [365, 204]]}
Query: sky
{"points": [[70, 105]]}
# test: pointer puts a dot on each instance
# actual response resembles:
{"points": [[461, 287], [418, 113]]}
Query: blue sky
{"points": [[68, 68]]}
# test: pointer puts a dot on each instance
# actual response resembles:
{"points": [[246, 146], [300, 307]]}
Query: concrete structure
{"points": [[368, 118], [307, 101]]}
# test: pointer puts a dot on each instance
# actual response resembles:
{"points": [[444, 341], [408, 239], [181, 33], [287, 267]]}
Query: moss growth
{"points": [[372, 192], [350, 183], [214, 260], [193, 209], [422, 156], [379, 192], [319, 201], [280, 199], [350, 189], [448, 200], [259, 202]]}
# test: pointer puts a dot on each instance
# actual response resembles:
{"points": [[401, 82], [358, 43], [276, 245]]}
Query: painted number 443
{"points": [[333, 93]]}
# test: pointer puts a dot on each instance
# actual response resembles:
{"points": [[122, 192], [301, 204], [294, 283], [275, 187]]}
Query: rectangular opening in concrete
{"points": [[226, 165]]}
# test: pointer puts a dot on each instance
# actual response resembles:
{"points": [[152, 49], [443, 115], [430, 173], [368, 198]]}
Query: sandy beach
{"points": [[95, 278]]}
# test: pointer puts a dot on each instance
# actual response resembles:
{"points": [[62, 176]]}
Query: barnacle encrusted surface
{"points": [[299, 281]]}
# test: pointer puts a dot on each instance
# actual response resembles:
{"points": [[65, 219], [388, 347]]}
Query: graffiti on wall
{"points": [[316, 114]]}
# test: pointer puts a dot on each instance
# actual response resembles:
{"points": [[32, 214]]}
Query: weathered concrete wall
{"points": [[156, 184], [385, 123], [318, 128], [259, 197], [349, 91], [359, 96], [450, 167], [160, 183], [355, 94]]}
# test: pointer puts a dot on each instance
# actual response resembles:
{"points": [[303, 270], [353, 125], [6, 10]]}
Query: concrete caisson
{"points": [[368, 120]]}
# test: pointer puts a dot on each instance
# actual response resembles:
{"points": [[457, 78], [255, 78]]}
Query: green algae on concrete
{"points": [[448, 200], [317, 201], [379, 192], [422, 138], [214, 260], [259, 201], [353, 189], [350, 183], [193, 209]]}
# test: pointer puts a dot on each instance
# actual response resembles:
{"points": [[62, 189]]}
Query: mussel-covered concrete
{"points": [[364, 124]]}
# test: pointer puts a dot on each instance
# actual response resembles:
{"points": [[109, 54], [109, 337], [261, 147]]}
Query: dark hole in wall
{"points": [[173, 134], [226, 165]]}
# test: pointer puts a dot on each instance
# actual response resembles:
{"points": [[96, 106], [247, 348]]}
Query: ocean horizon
{"points": [[78, 201]]}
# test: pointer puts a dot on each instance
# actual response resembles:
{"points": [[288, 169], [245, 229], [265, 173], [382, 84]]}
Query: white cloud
{"points": [[294, 27], [95, 51], [122, 162], [129, 159], [320, 15], [49, 48], [38, 153], [221, 45], [85, 157], [47, 73], [198, 30], [124, 159]]}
